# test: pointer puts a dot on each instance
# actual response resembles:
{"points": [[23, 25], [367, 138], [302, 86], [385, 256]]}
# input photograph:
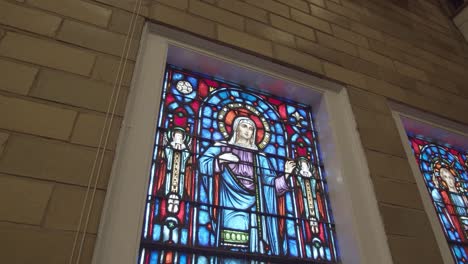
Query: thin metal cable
{"points": [[112, 104], [109, 128]]}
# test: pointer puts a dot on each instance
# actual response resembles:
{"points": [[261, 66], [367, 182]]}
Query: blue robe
{"points": [[262, 229]]}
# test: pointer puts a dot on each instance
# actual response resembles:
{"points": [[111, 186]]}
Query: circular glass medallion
{"points": [[184, 87]]}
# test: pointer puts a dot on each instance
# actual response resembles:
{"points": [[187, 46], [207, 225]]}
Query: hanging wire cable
{"points": [[105, 133]]}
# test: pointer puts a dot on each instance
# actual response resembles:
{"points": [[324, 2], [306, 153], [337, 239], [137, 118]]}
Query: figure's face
{"points": [[178, 137], [305, 171], [245, 131], [447, 176]]}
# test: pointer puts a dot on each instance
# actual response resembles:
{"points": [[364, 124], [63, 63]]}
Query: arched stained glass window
{"points": [[236, 178], [445, 172]]}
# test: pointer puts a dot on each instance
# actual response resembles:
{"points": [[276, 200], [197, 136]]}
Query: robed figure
{"points": [[243, 187], [451, 202]]}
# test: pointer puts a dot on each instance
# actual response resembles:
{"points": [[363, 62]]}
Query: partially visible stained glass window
{"points": [[445, 172], [236, 178]]}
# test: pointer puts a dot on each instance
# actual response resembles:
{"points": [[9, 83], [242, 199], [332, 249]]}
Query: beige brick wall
{"points": [[58, 60]]}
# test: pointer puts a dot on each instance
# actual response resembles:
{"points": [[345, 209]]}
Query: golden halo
{"points": [[236, 107]]}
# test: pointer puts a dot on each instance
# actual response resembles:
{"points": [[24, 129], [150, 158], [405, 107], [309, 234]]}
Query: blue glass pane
{"points": [[203, 236], [154, 259], [157, 232], [192, 81], [177, 76]]}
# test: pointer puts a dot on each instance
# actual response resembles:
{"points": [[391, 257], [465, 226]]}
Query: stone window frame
{"points": [[360, 232], [438, 129]]}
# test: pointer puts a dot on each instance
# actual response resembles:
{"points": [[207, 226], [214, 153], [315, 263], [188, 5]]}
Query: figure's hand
{"points": [[173, 203], [314, 225], [289, 166], [228, 157], [178, 146]]}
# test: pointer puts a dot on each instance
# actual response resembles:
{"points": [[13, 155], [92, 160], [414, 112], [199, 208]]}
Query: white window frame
{"points": [[440, 130], [360, 233]]}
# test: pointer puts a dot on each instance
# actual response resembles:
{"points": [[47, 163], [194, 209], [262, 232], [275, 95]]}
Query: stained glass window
{"points": [[445, 172], [236, 178]]}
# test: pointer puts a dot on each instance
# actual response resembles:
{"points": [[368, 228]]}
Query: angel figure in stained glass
{"points": [[245, 186], [176, 153], [309, 193]]}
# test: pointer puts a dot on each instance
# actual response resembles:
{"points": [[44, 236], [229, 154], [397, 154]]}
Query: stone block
{"points": [[437, 93], [386, 89], [350, 36], [182, 20], [129, 5], [378, 132], [410, 250], [120, 23], [336, 7], [366, 31], [23, 200], [88, 129], [107, 68], [368, 100], [397, 78], [80, 10], [47, 53], [445, 83], [338, 44], [405, 221], [410, 71], [299, 59], [311, 21], [77, 91], [16, 77], [217, 14], [292, 27], [36, 118], [299, 4], [382, 165], [359, 65], [419, 63], [356, 6], [3, 141], [404, 194], [39, 245], [376, 58], [319, 51], [96, 38], [380, 47], [180, 4], [259, 29], [244, 9], [52, 160], [37, 21], [329, 16], [64, 210], [344, 75], [271, 6], [245, 41], [320, 3]]}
